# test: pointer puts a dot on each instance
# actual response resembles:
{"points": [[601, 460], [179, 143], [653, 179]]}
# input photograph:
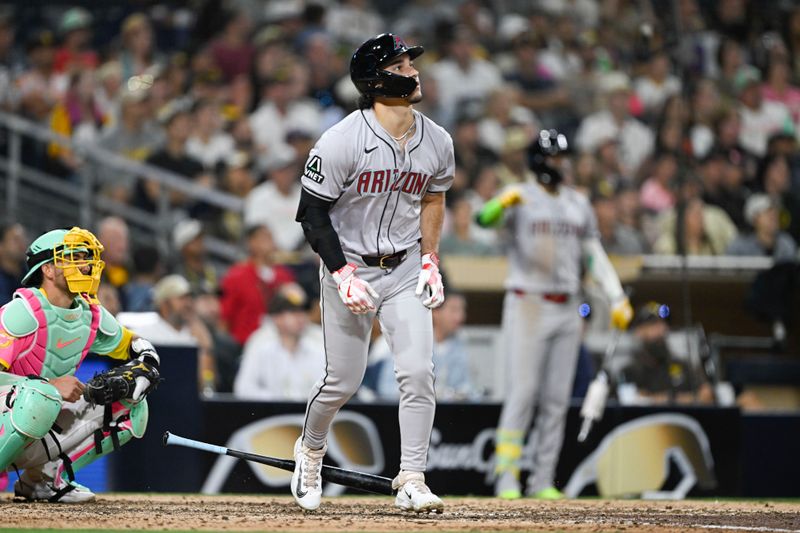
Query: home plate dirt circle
{"points": [[271, 513]]}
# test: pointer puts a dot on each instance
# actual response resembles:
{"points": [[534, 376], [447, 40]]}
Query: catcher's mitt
{"points": [[133, 381]]}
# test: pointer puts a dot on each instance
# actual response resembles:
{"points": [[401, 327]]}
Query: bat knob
{"points": [[165, 438]]}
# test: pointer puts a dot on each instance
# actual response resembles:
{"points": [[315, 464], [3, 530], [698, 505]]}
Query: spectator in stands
{"points": [[12, 61], [461, 238], [147, 270], [462, 75], [13, 244], [707, 230], [705, 105], [280, 110], [40, 87], [617, 239], [774, 179], [760, 118], [113, 234], [766, 239], [723, 186], [227, 352], [138, 55], [238, 179], [657, 83], [177, 121], [513, 165], [778, 86], [351, 22], [658, 191], [232, 51], [250, 285], [470, 156], [75, 53], [325, 69], [503, 113], [285, 357], [188, 239], [176, 323], [134, 136], [450, 357], [209, 143], [274, 202], [615, 121]]}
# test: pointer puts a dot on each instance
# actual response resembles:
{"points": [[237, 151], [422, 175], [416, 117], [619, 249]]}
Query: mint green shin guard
{"points": [[133, 427], [35, 407]]}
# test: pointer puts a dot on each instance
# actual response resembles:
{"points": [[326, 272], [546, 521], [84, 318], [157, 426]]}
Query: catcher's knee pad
{"points": [[35, 408], [36, 405]]}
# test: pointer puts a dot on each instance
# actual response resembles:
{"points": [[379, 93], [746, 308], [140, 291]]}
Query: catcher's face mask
{"points": [[80, 250], [76, 252]]}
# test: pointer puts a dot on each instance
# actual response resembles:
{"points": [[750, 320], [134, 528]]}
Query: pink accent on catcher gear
{"points": [[356, 294], [26, 355]]}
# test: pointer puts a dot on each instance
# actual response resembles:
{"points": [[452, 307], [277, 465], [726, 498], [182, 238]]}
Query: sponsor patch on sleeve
{"points": [[313, 170]]}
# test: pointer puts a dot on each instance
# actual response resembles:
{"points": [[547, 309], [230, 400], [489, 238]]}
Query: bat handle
{"points": [[176, 440], [586, 427]]}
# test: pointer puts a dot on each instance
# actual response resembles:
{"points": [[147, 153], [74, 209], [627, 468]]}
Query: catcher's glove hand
{"points": [[133, 381]]}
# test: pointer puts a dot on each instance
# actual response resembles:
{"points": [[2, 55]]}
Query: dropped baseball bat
{"points": [[340, 476]]}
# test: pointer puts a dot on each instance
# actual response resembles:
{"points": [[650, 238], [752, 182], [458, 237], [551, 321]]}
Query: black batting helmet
{"points": [[549, 143], [366, 67]]}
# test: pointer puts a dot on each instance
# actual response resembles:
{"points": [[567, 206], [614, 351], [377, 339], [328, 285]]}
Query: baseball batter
{"points": [[46, 331], [553, 234], [372, 207]]}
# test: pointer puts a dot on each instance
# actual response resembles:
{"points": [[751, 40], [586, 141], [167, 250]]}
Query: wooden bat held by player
{"points": [[340, 476]]}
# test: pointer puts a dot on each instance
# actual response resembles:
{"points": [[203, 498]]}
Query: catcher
{"points": [[46, 331]]}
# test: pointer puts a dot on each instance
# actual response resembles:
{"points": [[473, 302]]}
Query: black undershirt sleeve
{"points": [[312, 214]]}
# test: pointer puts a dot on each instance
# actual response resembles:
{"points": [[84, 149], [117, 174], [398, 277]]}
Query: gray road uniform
{"points": [[550, 238], [377, 188]]}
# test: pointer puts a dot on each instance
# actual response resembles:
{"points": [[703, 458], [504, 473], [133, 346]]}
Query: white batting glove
{"points": [[430, 280], [356, 293]]}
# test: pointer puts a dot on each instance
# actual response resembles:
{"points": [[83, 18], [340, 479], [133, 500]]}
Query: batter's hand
{"points": [[356, 293], [430, 280], [512, 196], [621, 314]]}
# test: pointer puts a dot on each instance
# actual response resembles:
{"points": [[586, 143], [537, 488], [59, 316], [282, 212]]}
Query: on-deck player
{"points": [[372, 206], [553, 234]]}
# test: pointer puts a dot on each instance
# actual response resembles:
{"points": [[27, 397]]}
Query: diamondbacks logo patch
{"points": [[313, 169], [398, 43]]}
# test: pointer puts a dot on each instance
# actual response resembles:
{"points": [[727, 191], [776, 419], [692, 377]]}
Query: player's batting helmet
{"points": [[549, 143], [366, 67]]}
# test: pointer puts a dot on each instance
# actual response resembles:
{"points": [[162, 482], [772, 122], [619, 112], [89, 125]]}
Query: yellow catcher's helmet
{"points": [[70, 250]]}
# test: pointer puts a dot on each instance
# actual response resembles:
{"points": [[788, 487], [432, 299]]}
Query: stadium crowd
{"points": [[683, 116]]}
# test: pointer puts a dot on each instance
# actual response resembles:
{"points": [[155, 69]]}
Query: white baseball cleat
{"points": [[307, 476], [51, 492], [414, 495]]}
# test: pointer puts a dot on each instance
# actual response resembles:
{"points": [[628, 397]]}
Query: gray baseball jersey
{"points": [[377, 186], [546, 233]]}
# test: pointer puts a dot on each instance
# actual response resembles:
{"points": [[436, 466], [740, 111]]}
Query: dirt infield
{"points": [[268, 513]]}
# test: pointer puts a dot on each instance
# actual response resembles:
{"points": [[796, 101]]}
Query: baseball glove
{"points": [[133, 381]]}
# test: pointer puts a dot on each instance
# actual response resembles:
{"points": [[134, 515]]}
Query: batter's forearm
{"points": [[602, 270], [431, 220]]}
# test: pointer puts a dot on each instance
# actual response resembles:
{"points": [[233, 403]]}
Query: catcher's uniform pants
{"points": [[408, 328], [80, 434], [543, 338]]}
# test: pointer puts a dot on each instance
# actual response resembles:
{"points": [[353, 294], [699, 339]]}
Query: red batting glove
{"points": [[430, 280], [355, 293]]}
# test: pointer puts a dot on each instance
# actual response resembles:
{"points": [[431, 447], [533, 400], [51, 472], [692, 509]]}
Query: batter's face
{"points": [[402, 65]]}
